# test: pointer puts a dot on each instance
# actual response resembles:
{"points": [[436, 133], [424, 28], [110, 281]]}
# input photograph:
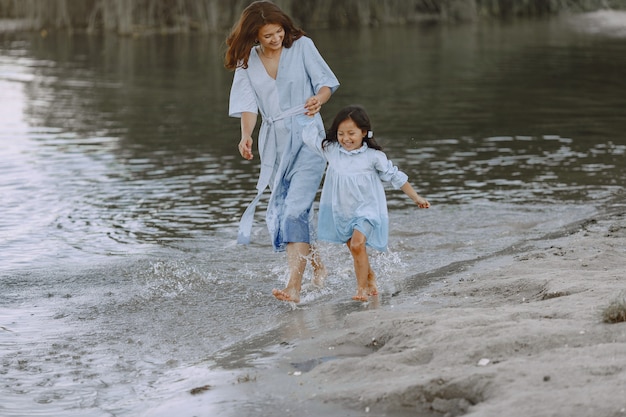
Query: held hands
{"points": [[313, 105], [245, 147]]}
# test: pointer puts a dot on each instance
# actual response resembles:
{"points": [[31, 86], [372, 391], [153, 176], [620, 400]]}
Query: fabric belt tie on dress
{"points": [[267, 152]]}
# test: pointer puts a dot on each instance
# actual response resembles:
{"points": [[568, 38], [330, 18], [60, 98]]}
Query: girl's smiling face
{"points": [[349, 135]]}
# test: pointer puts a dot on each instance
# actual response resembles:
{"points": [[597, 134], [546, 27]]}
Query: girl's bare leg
{"points": [[319, 270], [372, 288], [297, 253], [361, 265]]}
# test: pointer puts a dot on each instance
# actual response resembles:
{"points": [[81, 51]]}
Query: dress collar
{"points": [[362, 149]]}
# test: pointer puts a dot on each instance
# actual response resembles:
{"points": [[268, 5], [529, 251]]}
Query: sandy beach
{"points": [[520, 334]]}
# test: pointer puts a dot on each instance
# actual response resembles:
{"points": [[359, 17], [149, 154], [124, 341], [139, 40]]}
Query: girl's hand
{"points": [[313, 105], [245, 147], [422, 203]]}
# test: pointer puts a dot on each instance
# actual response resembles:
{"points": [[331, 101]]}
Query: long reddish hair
{"points": [[245, 33]]}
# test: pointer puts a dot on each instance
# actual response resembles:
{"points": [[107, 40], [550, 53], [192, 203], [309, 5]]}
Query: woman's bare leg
{"points": [[361, 265], [297, 253]]}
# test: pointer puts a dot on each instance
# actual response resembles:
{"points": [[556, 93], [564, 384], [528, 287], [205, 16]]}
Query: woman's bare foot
{"points": [[361, 294], [286, 295]]}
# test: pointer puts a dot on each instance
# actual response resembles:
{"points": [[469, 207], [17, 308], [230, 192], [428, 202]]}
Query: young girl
{"points": [[353, 207]]}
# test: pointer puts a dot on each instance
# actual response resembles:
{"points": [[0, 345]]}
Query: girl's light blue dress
{"points": [[353, 196], [291, 170]]}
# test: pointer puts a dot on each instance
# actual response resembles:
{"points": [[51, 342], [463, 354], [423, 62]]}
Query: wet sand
{"points": [[515, 335]]}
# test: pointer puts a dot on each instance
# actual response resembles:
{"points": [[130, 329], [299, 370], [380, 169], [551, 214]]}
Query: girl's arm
{"points": [[418, 199], [312, 136], [248, 121], [389, 172]]}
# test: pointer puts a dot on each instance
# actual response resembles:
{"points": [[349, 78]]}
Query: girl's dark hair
{"points": [[360, 118], [244, 33]]}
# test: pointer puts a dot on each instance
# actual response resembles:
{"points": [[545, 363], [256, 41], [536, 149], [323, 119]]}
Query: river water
{"points": [[121, 285]]}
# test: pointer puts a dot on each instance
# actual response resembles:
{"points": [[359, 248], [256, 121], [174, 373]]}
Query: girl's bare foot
{"points": [[286, 295], [361, 294], [319, 270]]}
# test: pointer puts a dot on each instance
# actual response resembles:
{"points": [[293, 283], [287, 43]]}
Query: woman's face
{"points": [[271, 37], [349, 135]]}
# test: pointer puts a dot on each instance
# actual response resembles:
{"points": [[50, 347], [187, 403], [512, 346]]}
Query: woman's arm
{"points": [[248, 122], [322, 79], [314, 103]]}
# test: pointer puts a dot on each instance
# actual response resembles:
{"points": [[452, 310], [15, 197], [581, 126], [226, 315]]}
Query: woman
{"points": [[280, 74]]}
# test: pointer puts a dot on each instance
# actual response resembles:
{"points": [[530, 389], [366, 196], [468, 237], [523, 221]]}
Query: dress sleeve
{"points": [[242, 96], [389, 172], [312, 136], [318, 70]]}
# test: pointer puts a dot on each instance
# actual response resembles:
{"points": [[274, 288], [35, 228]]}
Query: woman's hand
{"points": [[313, 105], [245, 147]]}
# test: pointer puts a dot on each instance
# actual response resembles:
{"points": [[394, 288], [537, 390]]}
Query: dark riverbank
{"points": [[133, 17]]}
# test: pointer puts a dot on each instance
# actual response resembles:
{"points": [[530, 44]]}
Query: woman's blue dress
{"points": [[291, 170]]}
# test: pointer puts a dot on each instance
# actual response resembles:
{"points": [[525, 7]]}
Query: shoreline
{"points": [[517, 334], [520, 336]]}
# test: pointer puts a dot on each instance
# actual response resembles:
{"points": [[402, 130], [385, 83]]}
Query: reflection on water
{"points": [[121, 189]]}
